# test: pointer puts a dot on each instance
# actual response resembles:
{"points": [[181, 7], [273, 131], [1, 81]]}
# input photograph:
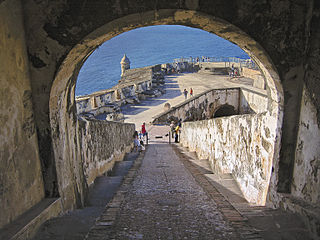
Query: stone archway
{"points": [[63, 118], [224, 110]]}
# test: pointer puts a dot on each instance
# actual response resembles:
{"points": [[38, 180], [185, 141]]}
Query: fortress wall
{"points": [[101, 144], [120, 92], [137, 74], [242, 145], [21, 182], [203, 106], [256, 75], [306, 174], [253, 100]]}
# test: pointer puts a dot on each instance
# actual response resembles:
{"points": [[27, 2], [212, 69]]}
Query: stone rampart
{"points": [[256, 75], [106, 98], [204, 105], [242, 145], [138, 74], [256, 100], [201, 106], [133, 85], [102, 143]]}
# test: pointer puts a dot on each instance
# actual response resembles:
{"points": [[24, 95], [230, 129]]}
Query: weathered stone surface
{"points": [[241, 145], [102, 143], [205, 105], [21, 184], [256, 75], [306, 175]]}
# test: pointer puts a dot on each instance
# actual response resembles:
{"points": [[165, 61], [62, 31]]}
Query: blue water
{"points": [[149, 46]]}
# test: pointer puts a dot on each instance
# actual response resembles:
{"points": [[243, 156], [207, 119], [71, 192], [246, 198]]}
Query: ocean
{"points": [[149, 46]]}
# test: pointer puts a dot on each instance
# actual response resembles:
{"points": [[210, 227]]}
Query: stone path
{"points": [[77, 223], [170, 194], [163, 202]]}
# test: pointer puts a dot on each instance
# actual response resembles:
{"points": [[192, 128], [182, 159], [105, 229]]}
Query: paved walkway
{"points": [[165, 202], [170, 194]]}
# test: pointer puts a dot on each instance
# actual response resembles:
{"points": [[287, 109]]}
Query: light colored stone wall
{"points": [[252, 99], [21, 183], [137, 74], [259, 81], [119, 93], [101, 144], [306, 174], [241, 145], [203, 106]]}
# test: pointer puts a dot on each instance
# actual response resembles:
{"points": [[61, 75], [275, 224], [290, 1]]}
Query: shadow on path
{"points": [[76, 224]]}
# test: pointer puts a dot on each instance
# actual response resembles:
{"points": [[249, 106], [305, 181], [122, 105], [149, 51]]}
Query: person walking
{"points": [[144, 131], [185, 92], [172, 127], [176, 136], [136, 141], [191, 92]]}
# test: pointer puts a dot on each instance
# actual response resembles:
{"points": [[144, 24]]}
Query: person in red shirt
{"points": [[143, 130], [191, 92]]}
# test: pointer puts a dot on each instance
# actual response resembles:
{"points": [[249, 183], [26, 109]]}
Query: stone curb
{"points": [[230, 214], [102, 229]]}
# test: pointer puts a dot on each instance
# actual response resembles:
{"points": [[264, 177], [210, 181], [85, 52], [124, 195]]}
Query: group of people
{"points": [[234, 71], [185, 92], [175, 130], [139, 138]]}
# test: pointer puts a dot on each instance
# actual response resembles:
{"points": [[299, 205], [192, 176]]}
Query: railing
{"points": [[249, 63]]}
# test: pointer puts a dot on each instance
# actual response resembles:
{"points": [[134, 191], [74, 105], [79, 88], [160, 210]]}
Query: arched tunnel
{"points": [[45, 43]]}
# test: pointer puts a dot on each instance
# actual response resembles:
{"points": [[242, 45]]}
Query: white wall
{"points": [[242, 145]]}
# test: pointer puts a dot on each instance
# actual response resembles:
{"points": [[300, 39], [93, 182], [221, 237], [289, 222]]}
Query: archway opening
{"points": [[224, 111], [64, 123], [152, 56]]}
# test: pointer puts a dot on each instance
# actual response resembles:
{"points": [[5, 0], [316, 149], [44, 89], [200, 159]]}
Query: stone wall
{"points": [[21, 183], [306, 175], [241, 145], [253, 100], [102, 143], [258, 78], [203, 106], [138, 74], [118, 94]]}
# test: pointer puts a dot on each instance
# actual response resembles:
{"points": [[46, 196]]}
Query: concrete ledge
{"points": [[26, 226]]}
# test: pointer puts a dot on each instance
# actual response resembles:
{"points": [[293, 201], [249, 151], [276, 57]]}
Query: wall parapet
{"points": [[242, 145], [102, 143], [204, 105]]}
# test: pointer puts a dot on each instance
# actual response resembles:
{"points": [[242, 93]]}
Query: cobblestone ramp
{"points": [[162, 200]]}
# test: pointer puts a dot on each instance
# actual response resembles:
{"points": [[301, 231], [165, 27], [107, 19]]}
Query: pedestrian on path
{"points": [[136, 141], [191, 92], [172, 128], [144, 131], [185, 92], [176, 136]]}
